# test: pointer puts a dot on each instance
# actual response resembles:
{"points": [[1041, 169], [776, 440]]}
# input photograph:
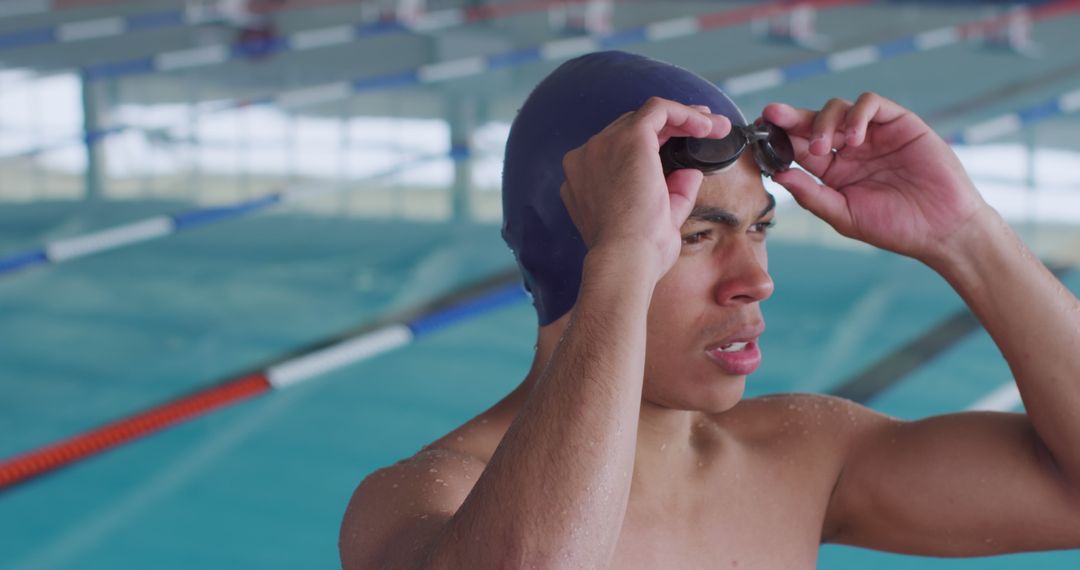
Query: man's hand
{"points": [[888, 179], [615, 189]]}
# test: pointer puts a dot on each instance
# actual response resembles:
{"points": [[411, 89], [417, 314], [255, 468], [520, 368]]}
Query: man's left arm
{"points": [[1035, 322], [962, 484], [980, 483]]}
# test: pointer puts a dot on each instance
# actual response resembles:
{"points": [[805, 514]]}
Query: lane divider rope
{"points": [[434, 72], [494, 293], [565, 48], [871, 54], [315, 38], [162, 226], [16, 8], [115, 26]]}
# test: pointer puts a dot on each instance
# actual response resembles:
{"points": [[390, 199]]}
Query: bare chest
{"points": [[760, 520]]}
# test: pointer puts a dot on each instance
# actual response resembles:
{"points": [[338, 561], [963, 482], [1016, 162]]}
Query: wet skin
{"points": [[712, 480], [715, 478]]}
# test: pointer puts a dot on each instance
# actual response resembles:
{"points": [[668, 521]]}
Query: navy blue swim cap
{"points": [[569, 106]]}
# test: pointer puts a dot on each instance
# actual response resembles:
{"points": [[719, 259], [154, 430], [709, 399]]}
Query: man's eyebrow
{"points": [[724, 217], [769, 207]]}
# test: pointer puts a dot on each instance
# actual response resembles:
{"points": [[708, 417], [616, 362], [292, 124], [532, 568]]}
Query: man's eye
{"points": [[763, 227], [695, 237]]}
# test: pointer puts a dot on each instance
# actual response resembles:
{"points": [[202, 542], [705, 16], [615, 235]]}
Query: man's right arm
{"points": [[555, 491]]}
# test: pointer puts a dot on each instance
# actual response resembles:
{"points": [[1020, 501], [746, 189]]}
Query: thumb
{"points": [[821, 200], [683, 186]]}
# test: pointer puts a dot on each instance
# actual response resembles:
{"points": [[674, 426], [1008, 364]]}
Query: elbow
{"points": [[1069, 480]]}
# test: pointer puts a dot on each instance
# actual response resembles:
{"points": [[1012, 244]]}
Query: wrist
{"points": [[962, 255], [634, 260], [611, 272]]}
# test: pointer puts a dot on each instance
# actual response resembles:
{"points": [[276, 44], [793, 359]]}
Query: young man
{"points": [[629, 445]]}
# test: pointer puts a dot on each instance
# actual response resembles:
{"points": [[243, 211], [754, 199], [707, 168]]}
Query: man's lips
{"points": [[740, 357], [747, 333], [738, 353]]}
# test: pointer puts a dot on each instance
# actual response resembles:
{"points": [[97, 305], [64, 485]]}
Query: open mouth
{"points": [[739, 358]]}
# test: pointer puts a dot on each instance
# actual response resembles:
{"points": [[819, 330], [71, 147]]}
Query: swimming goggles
{"points": [[771, 147]]}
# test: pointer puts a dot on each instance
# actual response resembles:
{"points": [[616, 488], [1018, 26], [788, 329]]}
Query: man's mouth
{"points": [[736, 358], [738, 354]]}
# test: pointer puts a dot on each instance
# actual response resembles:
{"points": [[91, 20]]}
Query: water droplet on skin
{"points": [[438, 480], [663, 446], [791, 406], [459, 438], [394, 486], [433, 470]]}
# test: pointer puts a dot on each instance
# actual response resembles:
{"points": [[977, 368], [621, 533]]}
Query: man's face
{"points": [[708, 304]]}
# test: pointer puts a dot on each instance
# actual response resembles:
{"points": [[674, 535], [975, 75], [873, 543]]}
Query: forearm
{"points": [[1034, 321], [555, 492]]}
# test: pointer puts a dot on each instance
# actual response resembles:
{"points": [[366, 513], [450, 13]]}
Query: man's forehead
{"points": [[745, 195]]}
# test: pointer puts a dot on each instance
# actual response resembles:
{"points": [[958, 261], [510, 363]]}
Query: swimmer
{"points": [[629, 443]]}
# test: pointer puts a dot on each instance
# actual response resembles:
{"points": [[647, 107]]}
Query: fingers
{"points": [[816, 165], [796, 122], [858, 118], [869, 108], [683, 186], [823, 201], [823, 137], [838, 124], [671, 119]]}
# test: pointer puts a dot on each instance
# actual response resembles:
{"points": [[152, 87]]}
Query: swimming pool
{"points": [[263, 483]]}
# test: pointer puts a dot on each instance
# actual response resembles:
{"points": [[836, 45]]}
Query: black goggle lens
{"points": [[775, 153], [772, 150], [712, 151]]}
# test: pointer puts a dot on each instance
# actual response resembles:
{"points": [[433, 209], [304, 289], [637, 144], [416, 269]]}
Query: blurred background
{"points": [[264, 234]]}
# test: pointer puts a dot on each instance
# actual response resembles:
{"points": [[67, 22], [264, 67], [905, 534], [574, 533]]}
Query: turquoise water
{"points": [[263, 484]]}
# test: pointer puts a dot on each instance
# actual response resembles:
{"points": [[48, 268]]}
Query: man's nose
{"points": [[744, 277]]}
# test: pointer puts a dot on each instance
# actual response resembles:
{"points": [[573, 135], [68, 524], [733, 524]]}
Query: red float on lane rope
{"points": [[23, 467]]}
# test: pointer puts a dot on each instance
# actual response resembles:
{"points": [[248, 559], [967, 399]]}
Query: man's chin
{"points": [[711, 397]]}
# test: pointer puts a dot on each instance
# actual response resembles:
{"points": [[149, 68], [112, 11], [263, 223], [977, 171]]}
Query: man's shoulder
{"points": [[436, 478], [818, 420], [426, 472], [802, 403], [450, 463], [404, 504]]}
